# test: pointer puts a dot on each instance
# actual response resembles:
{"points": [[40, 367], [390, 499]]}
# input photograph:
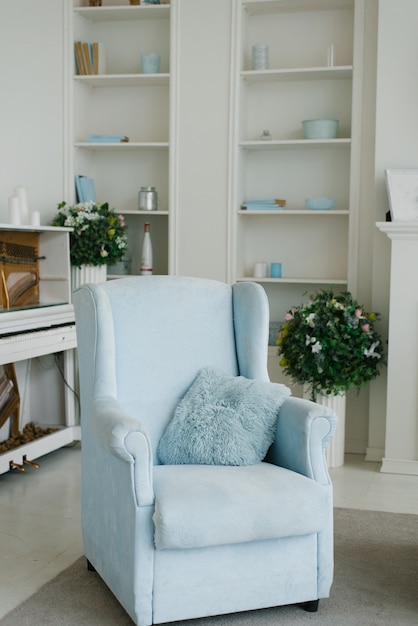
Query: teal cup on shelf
{"points": [[150, 63], [275, 270], [260, 57]]}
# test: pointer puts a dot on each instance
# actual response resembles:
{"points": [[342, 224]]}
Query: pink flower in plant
{"points": [[288, 317], [358, 313], [365, 328]]}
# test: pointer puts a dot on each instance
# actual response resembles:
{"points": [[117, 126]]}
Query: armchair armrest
{"points": [[126, 438], [303, 431]]}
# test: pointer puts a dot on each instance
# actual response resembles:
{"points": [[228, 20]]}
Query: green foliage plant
{"points": [[99, 233], [330, 344]]}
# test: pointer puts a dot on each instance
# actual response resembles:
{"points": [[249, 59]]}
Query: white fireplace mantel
{"points": [[401, 445]]}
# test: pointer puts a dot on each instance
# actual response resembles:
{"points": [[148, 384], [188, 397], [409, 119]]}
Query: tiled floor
{"points": [[40, 515], [359, 484], [39, 524]]}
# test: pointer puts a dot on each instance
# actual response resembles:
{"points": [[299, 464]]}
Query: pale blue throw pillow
{"points": [[223, 420]]}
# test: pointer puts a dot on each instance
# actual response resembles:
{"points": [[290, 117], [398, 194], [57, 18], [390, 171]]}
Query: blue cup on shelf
{"points": [[150, 63], [260, 57], [275, 270]]}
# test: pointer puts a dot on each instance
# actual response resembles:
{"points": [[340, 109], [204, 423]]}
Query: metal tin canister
{"points": [[147, 199]]}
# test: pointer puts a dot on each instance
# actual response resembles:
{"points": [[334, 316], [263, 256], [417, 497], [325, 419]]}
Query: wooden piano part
{"points": [[9, 398]]}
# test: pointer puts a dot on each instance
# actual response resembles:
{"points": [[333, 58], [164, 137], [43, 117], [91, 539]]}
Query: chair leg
{"points": [[90, 567], [311, 606]]}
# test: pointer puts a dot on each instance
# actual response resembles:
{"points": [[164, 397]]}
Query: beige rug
{"points": [[375, 584]]}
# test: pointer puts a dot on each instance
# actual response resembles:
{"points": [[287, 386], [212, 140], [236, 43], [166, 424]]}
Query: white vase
{"points": [[87, 274], [335, 449]]}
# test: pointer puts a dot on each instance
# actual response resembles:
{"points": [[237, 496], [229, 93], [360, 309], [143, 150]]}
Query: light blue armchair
{"points": [[230, 538]]}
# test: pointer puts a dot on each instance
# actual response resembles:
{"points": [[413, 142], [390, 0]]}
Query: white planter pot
{"points": [[87, 274], [335, 449]]}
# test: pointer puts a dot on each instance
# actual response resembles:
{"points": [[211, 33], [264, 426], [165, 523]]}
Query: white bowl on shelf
{"points": [[320, 204]]}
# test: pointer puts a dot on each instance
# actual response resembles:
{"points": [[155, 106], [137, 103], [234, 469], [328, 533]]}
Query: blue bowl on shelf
{"points": [[320, 204], [320, 129]]}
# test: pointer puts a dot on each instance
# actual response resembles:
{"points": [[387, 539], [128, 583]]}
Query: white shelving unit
{"points": [[313, 246], [126, 102], [40, 330]]}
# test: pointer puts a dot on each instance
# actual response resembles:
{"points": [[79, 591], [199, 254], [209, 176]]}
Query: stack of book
{"points": [[264, 205], [90, 58], [107, 139]]}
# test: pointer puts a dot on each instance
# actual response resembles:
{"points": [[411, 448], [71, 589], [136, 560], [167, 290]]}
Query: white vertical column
{"points": [[401, 442]]}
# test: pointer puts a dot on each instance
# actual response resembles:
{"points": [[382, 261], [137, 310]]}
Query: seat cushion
{"points": [[223, 420], [198, 506]]}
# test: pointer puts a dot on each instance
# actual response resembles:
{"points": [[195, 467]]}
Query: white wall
{"points": [[32, 103], [396, 147], [203, 89]]}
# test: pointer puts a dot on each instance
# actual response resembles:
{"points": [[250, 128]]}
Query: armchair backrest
{"points": [[142, 340]]}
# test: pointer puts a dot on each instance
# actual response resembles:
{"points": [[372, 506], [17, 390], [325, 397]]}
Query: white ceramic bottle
{"points": [[146, 256]]}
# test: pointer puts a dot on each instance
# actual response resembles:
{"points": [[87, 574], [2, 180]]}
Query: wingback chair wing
{"points": [[187, 540]]}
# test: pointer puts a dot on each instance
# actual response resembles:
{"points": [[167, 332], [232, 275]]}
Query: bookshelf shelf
{"points": [[149, 213], [124, 80], [293, 212], [299, 281], [276, 144], [113, 14], [130, 145], [265, 7], [298, 74]]}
